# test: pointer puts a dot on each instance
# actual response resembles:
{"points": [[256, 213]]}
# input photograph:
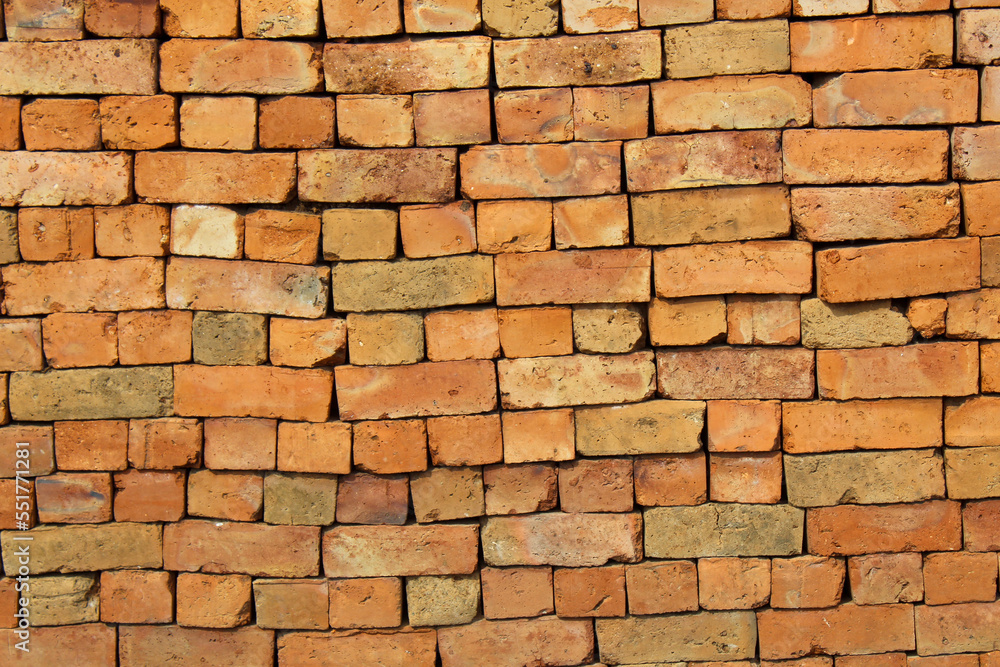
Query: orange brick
{"points": [[297, 122], [973, 153], [441, 494], [687, 321], [745, 478], [389, 447], [662, 587], [188, 177], [253, 391], [619, 275], [17, 513], [846, 629], [48, 234], [452, 118], [80, 339], [436, 230], [807, 581], [234, 496], [81, 497], [538, 435], [137, 596], [441, 15], [115, 18], [972, 422], [253, 548], [864, 156], [850, 530], [307, 343], [319, 448], [373, 499], [990, 366], [534, 116], [518, 226], [240, 444], [376, 121], [265, 18], [359, 233], [464, 441], [596, 485], [50, 124], [727, 268], [516, 592], [590, 591], [974, 32], [41, 459], [93, 643], [872, 43], [980, 212], [763, 320], [133, 230], [249, 646], [889, 424], [150, 495], [282, 236], [587, 16], [154, 337], [91, 445], [927, 316], [960, 577], [366, 603], [348, 18], [604, 114], [161, 444], [590, 222], [10, 123], [518, 171], [21, 345], [960, 660], [213, 600], [191, 18], [224, 123], [743, 426], [520, 489], [734, 583], [680, 479], [536, 332], [283, 604], [145, 122], [663, 12]]}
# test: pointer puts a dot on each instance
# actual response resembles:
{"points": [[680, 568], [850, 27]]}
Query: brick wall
{"points": [[500, 333]]}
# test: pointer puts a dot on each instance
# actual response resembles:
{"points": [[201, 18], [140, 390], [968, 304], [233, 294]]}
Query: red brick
{"points": [[41, 459], [234, 496], [128, 231], [263, 18], [534, 116], [864, 156], [960, 577], [453, 118], [441, 15], [656, 587], [115, 18], [680, 479], [406, 175], [548, 640], [538, 435], [242, 647], [376, 121], [703, 159], [456, 387], [731, 103], [192, 177], [213, 600], [366, 603], [591, 222], [925, 369], [745, 477], [388, 447], [886, 578], [580, 276], [82, 497], [888, 424], [842, 630], [517, 226], [606, 114], [89, 643], [154, 337], [807, 581], [557, 538], [249, 548], [83, 67], [21, 348], [91, 445], [130, 122], [734, 583], [596, 485], [380, 551], [516, 592], [61, 125], [160, 444], [297, 122], [137, 596], [590, 591], [520, 489], [80, 339], [948, 629], [436, 230], [543, 170], [253, 391], [222, 123], [373, 499], [318, 448], [150, 495], [284, 604], [872, 43], [849, 530], [58, 178], [407, 66]]}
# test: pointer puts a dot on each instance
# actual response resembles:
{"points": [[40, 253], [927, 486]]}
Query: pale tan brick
{"points": [[581, 276], [85, 393], [84, 67], [239, 66], [87, 548], [723, 529], [731, 103], [379, 551], [407, 66], [64, 178], [561, 539], [723, 47], [576, 380], [541, 170], [864, 478], [650, 427], [401, 175]]}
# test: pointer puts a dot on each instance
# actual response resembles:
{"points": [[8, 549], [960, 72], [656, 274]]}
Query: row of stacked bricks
{"points": [[500, 333]]}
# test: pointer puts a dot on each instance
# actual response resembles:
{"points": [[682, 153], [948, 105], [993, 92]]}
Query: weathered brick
{"points": [[300, 499], [10, 123], [538, 435], [355, 176], [253, 391], [373, 499], [536, 332], [541, 170], [154, 337], [83, 67], [235, 496], [755, 267], [589, 222], [150, 496], [379, 551], [927, 315], [946, 629], [852, 325], [41, 460], [864, 477], [248, 287], [100, 393], [93, 643], [51, 234], [972, 473], [513, 592], [131, 122], [572, 380], [703, 159], [359, 19], [373, 602], [321, 448], [972, 422], [78, 497], [296, 122], [221, 123], [872, 43], [135, 229], [706, 635], [692, 320], [465, 441], [667, 480], [137, 596], [241, 647], [735, 373], [974, 314], [990, 366], [608, 329], [609, 113], [9, 245], [190, 18], [110, 18], [162, 444], [375, 121], [734, 583], [448, 387], [745, 477], [864, 156], [921, 97], [275, 20], [578, 60], [91, 445], [667, 12], [282, 236], [717, 529], [87, 548], [926, 369], [650, 427], [256, 549], [959, 577], [80, 339], [60, 124], [442, 494], [407, 66], [807, 581], [973, 153], [975, 35], [239, 66], [846, 629], [763, 320], [21, 345], [520, 489], [213, 600], [886, 578], [934, 525], [590, 591], [596, 486], [560, 539], [743, 426], [283, 604], [731, 103], [723, 47], [307, 343], [44, 21], [576, 276], [892, 212], [229, 339], [513, 226], [450, 600], [452, 118], [214, 178], [436, 230], [389, 447], [979, 210], [661, 587], [57, 178], [549, 640], [385, 339], [441, 15], [828, 7], [534, 116], [359, 233], [826, 426]]}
